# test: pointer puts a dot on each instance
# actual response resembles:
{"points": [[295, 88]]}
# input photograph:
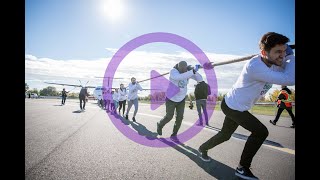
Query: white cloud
{"points": [[136, 64], [30, 57]]}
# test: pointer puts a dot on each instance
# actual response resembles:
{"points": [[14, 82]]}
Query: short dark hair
{"points": [[271, 39]]}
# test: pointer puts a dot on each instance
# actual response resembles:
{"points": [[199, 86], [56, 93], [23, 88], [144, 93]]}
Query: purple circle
{"points": [[151, 38]]}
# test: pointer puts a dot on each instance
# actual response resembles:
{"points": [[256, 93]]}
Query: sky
{"points": [[68, 41]]}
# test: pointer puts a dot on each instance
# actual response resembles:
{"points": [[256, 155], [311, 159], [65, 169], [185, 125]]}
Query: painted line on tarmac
{"points": [[286, 150]]}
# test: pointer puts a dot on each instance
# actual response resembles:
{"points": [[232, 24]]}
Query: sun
{"points": [[113, 9]]}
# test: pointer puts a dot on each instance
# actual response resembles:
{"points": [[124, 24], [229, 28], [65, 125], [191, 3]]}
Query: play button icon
{"points": [[161, 89]]}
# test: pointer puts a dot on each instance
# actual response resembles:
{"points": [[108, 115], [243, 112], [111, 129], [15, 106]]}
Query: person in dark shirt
{"points": [[201, 92], [284, 103], [82, 97], [64, 96]]}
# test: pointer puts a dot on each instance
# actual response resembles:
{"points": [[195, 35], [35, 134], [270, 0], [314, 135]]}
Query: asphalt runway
{"points": [[61, 142]]}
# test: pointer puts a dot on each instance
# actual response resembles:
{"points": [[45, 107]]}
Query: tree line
{"points": [[48, 91], [52, 91], [272, 97]]}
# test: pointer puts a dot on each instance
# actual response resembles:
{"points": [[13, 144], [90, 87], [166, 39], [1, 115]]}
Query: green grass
{"points": [[257, 109], [265, 110]]}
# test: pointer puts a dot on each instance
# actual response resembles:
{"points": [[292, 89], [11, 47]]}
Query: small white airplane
{"points": [[98, 90], [97, 93]]}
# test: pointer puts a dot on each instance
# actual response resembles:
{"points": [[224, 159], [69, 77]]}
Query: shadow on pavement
{"points": [[142, 130], [245, 137], [215, 168], [123, 120]]}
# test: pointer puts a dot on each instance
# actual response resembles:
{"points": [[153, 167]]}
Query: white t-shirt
{"points": [[256, 79], [133, 91], [115, 96], [181, 81], [122, 94]]}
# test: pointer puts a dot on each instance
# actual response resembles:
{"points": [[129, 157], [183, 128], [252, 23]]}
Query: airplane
{"points": [[98, 90]]}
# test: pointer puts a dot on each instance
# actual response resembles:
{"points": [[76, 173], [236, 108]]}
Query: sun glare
{"points": [[113, 9]]}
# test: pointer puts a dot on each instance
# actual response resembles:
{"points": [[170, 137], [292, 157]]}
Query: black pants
{"points": [[63, 99], [101, 103], [122, 103], [84, 102], [290, 113], [233, 119]]}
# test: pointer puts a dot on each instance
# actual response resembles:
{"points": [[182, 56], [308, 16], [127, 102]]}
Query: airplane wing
{"points": [[108, 77], [90, 86], [74, 85]]}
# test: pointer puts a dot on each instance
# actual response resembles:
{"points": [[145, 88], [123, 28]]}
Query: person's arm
{"points": [[174, 74], [265, 74], [138, 87], [281, 97], [196, 76], [288, 90]]}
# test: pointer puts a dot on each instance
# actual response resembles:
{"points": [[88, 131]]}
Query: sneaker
{"points": [[174, 138], [272, 122], [199, 124], [245, 173], [127, 117], [159, 130], [173, 134], [134, 119], [204, 155]]}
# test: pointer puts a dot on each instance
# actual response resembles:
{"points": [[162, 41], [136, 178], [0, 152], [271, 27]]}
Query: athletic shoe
{"points": [[245, 173], [199, 124], [204, 155], [174, 137], [272, 122]]}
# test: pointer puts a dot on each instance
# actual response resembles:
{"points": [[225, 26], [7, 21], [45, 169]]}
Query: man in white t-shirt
{"points": [[179, 76], [274, 65], [133, 97]]}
